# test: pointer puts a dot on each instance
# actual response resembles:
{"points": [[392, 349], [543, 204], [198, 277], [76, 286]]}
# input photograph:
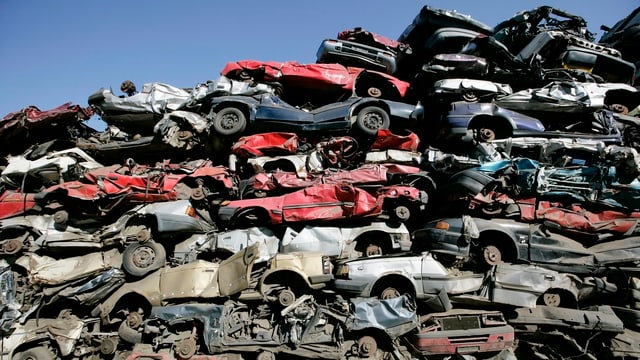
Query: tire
{"points": [[372, 118], [35, 353], [139, 259], [230, 121]]}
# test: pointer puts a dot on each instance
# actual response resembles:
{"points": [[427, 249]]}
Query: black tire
{"points": [[35, 353], [372, 118], [139, 259], [230, 121]]}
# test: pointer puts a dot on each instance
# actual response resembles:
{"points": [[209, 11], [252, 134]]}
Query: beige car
{"points": [[283, 278]]}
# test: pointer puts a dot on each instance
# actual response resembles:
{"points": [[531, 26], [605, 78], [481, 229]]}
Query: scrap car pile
{"points": [[464, 190]]}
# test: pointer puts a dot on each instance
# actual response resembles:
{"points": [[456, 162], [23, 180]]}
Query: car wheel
{"points": [[491, 255], [389, 292], [552, 299], [35, 353], [367, 346], [230, 121], [139, 259], [371, 119]]}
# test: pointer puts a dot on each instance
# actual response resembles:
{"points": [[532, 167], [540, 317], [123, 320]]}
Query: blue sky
{"points": [[59, 51]]}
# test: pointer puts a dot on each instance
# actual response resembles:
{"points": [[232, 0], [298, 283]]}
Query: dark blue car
{"points": [[234, 115]]}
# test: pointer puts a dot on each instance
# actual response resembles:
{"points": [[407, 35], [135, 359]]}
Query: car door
{"points": [[235, 272], [273, 114], [321, 202], [545, 246]]}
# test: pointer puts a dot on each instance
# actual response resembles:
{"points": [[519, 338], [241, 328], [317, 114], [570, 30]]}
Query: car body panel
{"points": [[200, 279], [316, 203], [268, 112], [462, 331]]}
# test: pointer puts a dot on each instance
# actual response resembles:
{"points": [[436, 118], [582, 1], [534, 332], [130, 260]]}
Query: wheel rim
{"points": [[389, 293], [373, 120], [143, 256], [367, 346], [229, 121], [492, 255], [373, 249], [551, 299], [402, 212]]}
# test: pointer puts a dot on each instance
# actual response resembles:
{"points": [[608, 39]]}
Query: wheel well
{"points": [[294, 280], [230, 104], [567, 298], [382, 338], [262, 214], [399, 282], [377, 237], [382, 105], [500, 125], [148, 220], [503, 241], [131, 298], [367, 79], [36, 343], [279, 164], [625, 97]]}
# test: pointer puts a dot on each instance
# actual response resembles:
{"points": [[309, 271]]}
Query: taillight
{"points": [[190, 211], [442, 225]]}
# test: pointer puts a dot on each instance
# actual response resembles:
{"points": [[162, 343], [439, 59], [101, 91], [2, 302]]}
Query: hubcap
{"points": [[229, 121], [373, 121]]}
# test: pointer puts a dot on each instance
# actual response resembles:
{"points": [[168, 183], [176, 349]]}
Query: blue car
{"points": [[234, 115], [488, 121]]}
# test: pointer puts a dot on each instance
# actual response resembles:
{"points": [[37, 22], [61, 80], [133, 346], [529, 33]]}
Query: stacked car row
{"points": [[463, 190]]}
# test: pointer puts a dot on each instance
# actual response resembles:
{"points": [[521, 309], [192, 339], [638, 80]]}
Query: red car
{"points": [[324, 202], [40, 126], [113, 190], [462, 331], [368, 176], [322, 83]]}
